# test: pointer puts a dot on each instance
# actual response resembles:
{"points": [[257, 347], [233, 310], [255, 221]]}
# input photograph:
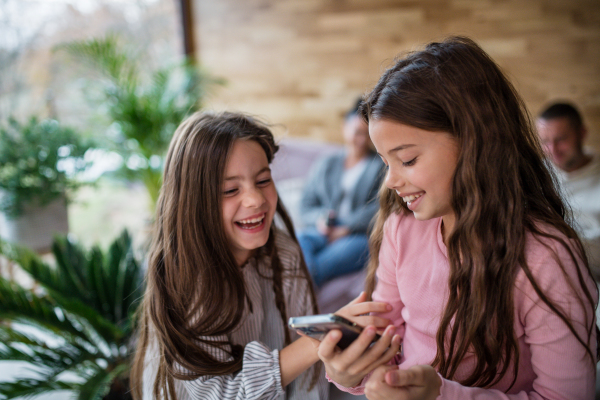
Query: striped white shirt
{"points": [[262, 334]]}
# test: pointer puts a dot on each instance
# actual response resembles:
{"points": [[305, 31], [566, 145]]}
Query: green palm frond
{"points": [[145, 108], [31, 387], [78, 320], [108, 283], [22, 305], [97, 385], [105, 56], [51, 361]]}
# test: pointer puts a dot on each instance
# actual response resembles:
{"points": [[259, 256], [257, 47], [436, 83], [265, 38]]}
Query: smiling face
{"points": [[249, 199], [421, 166], [562, 141]]}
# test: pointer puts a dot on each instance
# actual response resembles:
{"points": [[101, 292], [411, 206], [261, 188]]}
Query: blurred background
{"points": [[297, 63], [121, 74]]}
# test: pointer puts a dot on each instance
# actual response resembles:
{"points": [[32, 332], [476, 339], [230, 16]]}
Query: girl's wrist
{"points": [[296, 358], [311, 346]]}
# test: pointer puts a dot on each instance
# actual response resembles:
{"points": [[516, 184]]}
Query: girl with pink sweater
{"points": [[490, 286]]}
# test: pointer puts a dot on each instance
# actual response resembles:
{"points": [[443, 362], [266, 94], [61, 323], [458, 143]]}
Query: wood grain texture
{"points": [[302, 63]]}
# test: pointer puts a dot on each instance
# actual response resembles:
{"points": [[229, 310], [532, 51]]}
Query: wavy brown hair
{"points": [[191, 267], [502, 190]]}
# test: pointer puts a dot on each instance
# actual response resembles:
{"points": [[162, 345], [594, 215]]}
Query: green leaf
{"points": [[17, 346], [31, 387], [84, 330], [22, 305], [108, 332], [98, 385], [70, 261], [94, 264], [30, 158], [147, 107]]}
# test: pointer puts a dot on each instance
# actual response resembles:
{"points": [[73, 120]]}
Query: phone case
{"points": [[317, 326]]}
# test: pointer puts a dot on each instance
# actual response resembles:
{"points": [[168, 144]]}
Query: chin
{"points": [[256, 244]]}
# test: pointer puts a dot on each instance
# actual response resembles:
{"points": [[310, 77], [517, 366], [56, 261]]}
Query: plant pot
{"points": [[37, 226]]}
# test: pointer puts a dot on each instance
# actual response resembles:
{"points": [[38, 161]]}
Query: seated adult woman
{"points": [[338, 203]]}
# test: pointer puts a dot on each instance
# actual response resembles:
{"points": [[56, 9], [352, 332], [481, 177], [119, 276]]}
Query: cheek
{"points": [[571, 145], [272, 198], [227, 211]]}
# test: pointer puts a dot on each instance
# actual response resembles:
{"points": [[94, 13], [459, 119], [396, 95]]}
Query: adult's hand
{"points": [[337, 232], [420, 382], [323, 228]]}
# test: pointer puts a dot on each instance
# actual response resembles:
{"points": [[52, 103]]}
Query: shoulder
{"points": [[595, 163], [544, 252], [595, 166], [555, 264]]}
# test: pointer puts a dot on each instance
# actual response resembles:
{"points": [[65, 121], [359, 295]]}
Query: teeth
{"points": [[411, 198], [252, 220]]}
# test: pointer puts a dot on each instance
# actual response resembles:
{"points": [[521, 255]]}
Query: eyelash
{"points": [[263, 182], [409, 163]]}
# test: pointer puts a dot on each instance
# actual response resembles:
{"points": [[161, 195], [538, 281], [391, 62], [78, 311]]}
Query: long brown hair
{"points": [[192, 274], [502, 190]]}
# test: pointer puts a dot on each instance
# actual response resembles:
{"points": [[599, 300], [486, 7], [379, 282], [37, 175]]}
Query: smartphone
{"points": [[317, 326]]}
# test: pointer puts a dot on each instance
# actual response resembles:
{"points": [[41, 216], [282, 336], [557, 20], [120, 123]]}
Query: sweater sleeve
{"points": [[259, 378], [387, 287], [562, 367]]}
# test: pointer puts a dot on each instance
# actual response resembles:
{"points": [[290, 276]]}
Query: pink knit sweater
{"points": [[413, 278]]}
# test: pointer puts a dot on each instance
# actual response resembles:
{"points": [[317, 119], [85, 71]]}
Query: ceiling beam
{"points": [[187, 24]]}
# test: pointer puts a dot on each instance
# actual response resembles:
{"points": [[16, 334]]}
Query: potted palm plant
{"points": [[143, 108], [76, 330], [39, 161]]}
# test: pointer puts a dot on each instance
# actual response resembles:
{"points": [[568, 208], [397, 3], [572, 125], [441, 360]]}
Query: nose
{"points": [[253, 198], [394, 180]]}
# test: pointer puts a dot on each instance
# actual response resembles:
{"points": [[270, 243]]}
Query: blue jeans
{"points": [[326, 261]]}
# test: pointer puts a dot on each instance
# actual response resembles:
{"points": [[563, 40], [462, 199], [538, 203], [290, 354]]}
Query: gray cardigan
{"points": [[323, 192]]}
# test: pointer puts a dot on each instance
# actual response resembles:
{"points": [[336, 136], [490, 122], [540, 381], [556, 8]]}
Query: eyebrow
{"points": [[399, 148], [236, 177]]}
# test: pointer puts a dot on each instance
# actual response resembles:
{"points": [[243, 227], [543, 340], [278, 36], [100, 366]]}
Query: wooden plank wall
{"points": [[302, 63]]}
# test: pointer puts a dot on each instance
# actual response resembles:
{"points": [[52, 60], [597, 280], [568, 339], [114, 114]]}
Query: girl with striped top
{"points": [[222, 280]]}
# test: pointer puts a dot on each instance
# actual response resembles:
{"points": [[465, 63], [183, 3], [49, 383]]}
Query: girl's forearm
{"points": [[296, 358]]}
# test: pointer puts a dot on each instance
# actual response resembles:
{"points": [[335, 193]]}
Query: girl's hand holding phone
{"points": [[350, 366], [420, 382]]}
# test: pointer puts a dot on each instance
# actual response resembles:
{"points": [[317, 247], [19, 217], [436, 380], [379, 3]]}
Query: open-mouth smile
{"points": [[252, 223]]}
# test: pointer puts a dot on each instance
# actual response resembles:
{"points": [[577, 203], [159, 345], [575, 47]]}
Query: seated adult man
{"points": [[562, 133]]}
